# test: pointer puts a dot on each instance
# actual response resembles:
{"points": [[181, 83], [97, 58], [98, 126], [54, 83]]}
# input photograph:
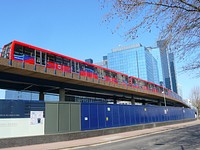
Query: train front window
{"points": [[18, 50], [6, 51], [23, 52]]}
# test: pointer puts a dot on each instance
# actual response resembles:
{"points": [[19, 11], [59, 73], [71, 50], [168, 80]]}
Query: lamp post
{"points": [[164, 97], [164, 94]]}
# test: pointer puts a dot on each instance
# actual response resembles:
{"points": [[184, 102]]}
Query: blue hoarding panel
{"points": [[116, 121], [109, 119], [102, 116], [93, 116], [12, 109], [85, 116], [147, 114], [96, 116], [142, 114], [132, 115], [138, 115], [19, 108], [122, 115], [127, 115], [34, 106]]}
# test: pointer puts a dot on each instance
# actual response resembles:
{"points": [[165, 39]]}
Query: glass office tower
{"points": [[168, 66], [173, 72], [165, 63], [156, 54], [134, 60]]}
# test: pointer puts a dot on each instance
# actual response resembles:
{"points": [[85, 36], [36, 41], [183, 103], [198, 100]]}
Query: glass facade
{"points": [[134, 60], [19, 95], [168, 66], [173, 72], [165, 63], [156, 54]]}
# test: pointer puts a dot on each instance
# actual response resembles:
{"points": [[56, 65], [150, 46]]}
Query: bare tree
{"points": [[195, 98], [177, 20]]}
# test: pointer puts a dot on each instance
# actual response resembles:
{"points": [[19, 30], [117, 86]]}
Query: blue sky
{"points": [[70, 27]]}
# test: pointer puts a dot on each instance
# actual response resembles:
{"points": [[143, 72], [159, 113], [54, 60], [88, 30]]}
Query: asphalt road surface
{"points": [[181, 139]]}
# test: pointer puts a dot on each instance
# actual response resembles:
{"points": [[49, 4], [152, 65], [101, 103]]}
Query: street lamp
{"points": [[164, 94], [164, 97]]}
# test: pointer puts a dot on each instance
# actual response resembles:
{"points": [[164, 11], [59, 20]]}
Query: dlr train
{"points": [[30, 54]]}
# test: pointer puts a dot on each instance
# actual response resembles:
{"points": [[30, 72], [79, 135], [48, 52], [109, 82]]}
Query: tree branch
{"points": [[197, 8]]}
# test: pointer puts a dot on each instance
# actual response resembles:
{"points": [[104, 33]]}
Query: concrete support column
{"points": [[159, 103], [41, 96], [115, 101], [133, 101], [143, 103], [61, 94]]}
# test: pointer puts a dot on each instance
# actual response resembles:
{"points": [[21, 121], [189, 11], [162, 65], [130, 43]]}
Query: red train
{"points": [[26, 53]]}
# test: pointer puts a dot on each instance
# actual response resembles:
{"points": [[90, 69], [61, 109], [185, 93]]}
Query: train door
{"points": [[40, 58], [75, 66]]}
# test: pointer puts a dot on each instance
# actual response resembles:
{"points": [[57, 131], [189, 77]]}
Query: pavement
{"points": [[75, 144]]}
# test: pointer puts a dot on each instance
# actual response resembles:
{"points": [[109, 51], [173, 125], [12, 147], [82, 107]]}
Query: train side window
{"points": [[107, 73], [134, 81], [28, 51], [99, 72], [50, 58], [119, 77], [113, 75], [82, 67], [73, 66], [43, 58], [66, 62], [59, 60], [77, 67], [124, 79], [38, 57]]}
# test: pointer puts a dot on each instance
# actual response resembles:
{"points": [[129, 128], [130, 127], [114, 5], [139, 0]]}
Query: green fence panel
{"points": [[51, 118], [75, 121], [64, 117]]}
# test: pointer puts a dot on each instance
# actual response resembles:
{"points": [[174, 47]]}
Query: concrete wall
{"points": [[18, 127]]}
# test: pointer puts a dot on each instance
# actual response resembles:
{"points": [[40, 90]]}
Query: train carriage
{"points": [[26, 53]]}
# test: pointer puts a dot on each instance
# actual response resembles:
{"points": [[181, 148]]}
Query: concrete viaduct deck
{"points": [[22, 76]]}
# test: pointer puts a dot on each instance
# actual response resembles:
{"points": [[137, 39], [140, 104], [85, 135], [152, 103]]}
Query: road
{"points": [[180, 139], [182, 136]]}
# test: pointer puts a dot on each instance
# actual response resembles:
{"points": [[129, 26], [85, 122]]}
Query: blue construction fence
{"points": [[92, 115], [19, 108], [97, 116]]}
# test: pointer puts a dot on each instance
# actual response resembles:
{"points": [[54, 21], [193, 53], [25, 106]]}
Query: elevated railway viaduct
{"points": [[21, 76]]}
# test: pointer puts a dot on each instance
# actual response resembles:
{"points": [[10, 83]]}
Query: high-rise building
{"points": [[152, 64], [173, 72], [168, 66], [134, 60], [103, 63], [89, 61], [165, 63], [155, 51]]}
